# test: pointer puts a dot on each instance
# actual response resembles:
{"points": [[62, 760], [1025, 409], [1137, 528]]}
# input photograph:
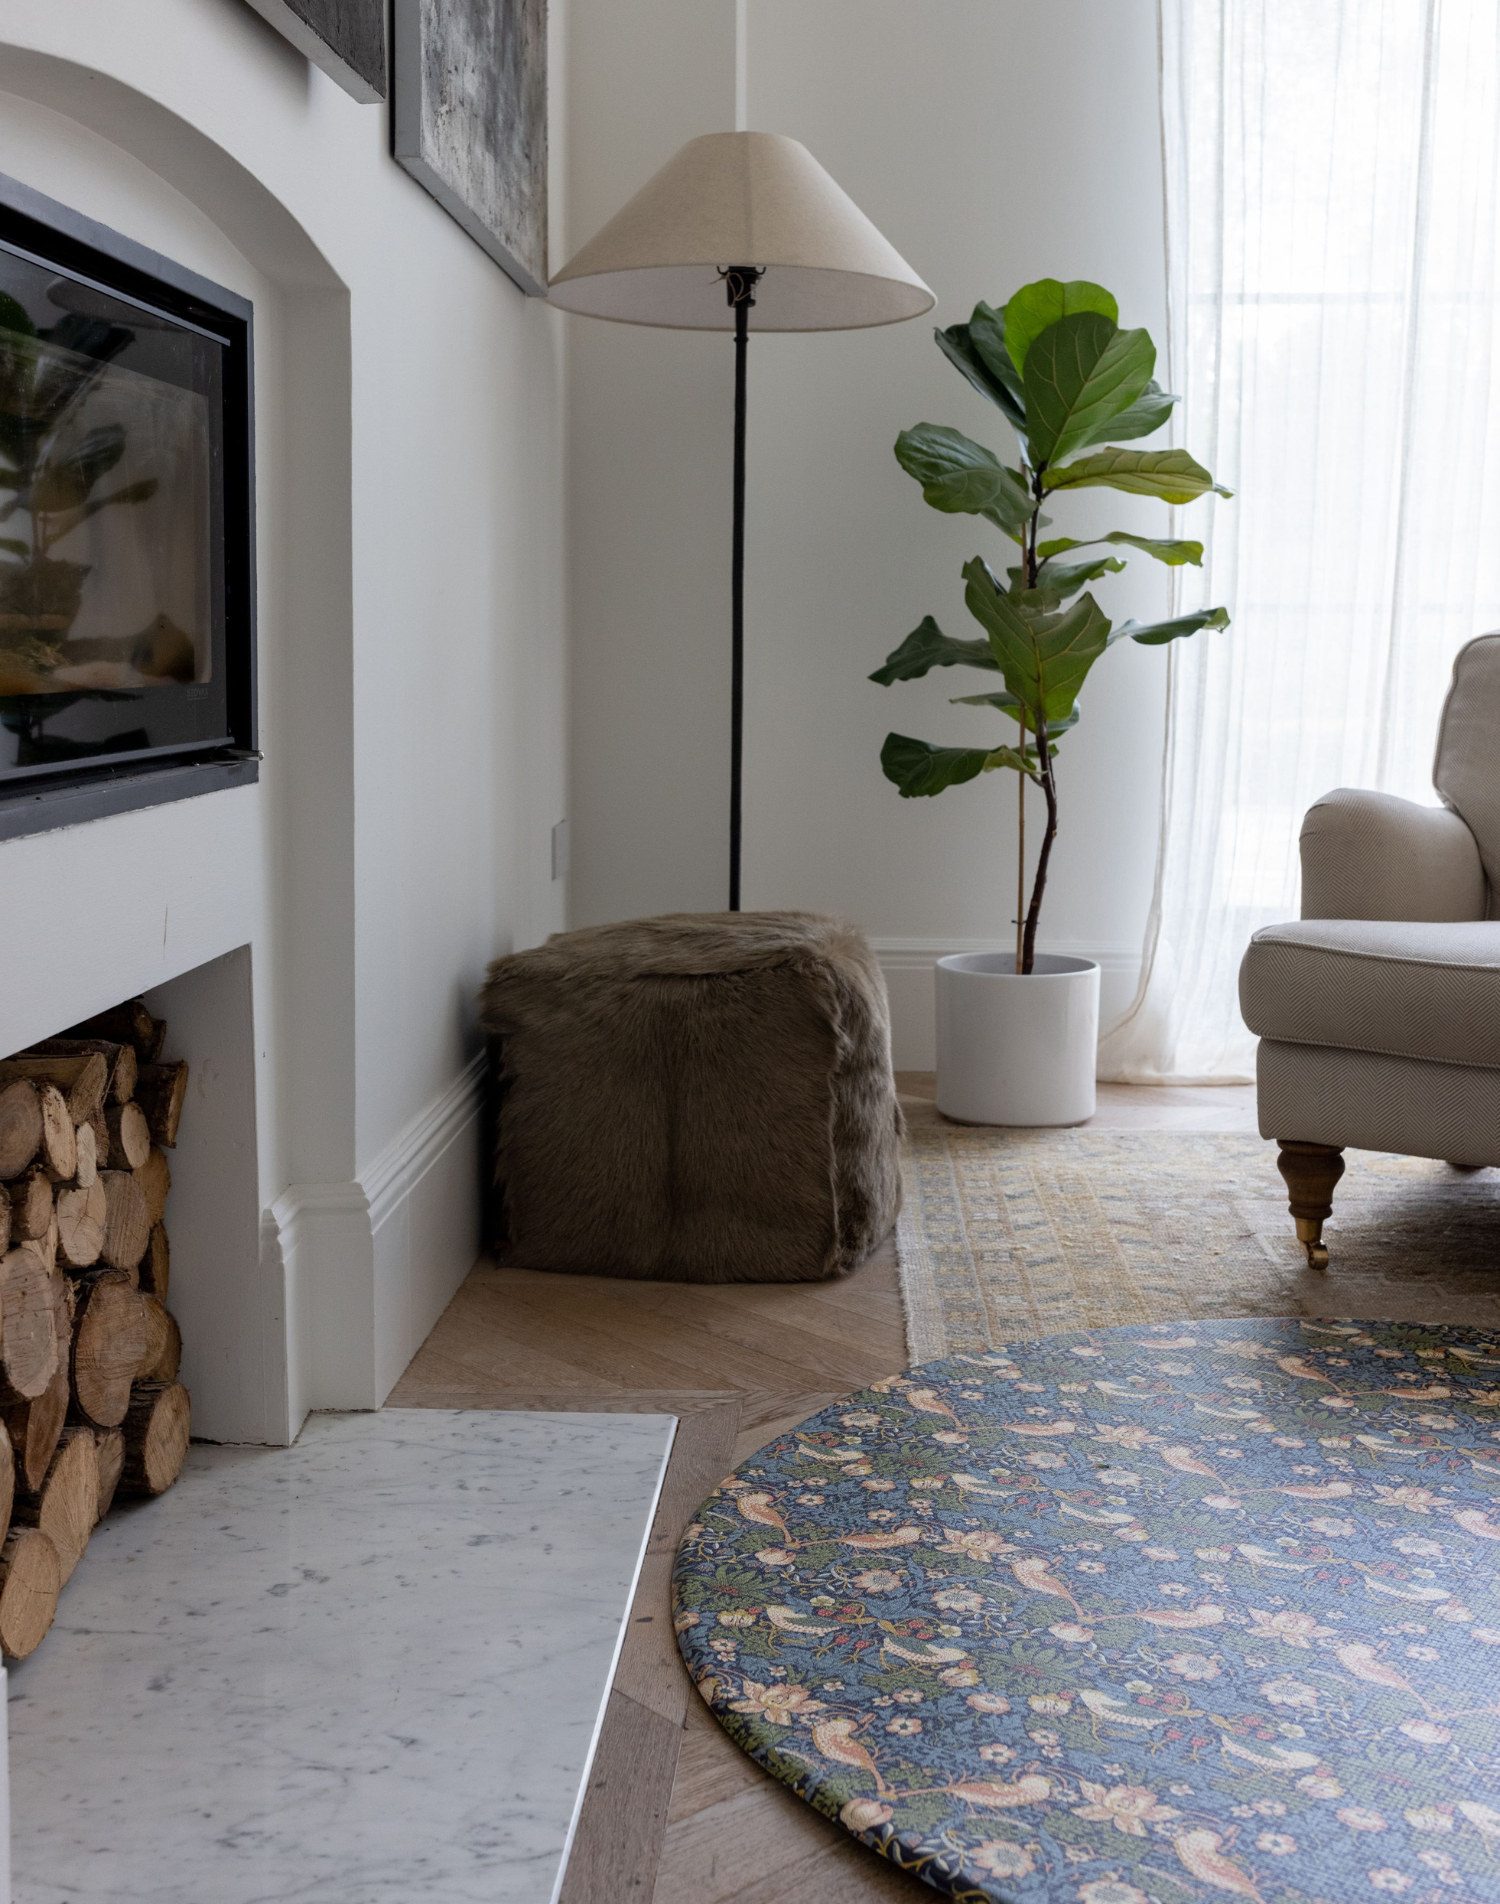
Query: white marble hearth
{"points": [[370, 1666]]}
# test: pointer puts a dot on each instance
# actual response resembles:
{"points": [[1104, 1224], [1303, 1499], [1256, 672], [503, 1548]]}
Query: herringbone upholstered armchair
{"points": [[1378, 1012]]}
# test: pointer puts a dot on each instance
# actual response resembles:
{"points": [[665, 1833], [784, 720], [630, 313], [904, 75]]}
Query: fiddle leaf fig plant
{"points": [[1073, 386]]}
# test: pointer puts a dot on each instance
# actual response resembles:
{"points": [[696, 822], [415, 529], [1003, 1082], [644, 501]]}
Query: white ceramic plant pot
{"points": [[1013, 1049]]}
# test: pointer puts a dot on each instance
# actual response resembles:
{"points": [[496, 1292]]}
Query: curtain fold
{"points": [[1332, 177]]}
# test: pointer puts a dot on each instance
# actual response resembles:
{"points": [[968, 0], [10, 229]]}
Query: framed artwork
{"points": [[471, 121], [345, 38]]}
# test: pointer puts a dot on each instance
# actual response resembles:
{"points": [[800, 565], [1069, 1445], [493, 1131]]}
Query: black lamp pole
{"points": [[739, 283]]}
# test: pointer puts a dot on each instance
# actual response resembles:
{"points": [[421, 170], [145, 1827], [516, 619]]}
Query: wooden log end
{"points": [[155, 1179], [119, 1060], [20, 1125], [30, 1581], [157, 1428], [167, 1363], [129, 1136], [29, 1346], [114, 1337], [59, 1152], [80, 1079], [88, 1155], [81, 1218], [30, 1205], [35, 1427], [111, 1465], [161, 1090], [66, 1506], [127, 1229]]}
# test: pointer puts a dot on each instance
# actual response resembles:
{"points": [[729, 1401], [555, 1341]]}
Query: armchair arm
{"points": [[1373, 856]]}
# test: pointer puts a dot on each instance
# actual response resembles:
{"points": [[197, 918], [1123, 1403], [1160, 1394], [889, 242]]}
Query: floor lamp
{"points": [[741, 231]]}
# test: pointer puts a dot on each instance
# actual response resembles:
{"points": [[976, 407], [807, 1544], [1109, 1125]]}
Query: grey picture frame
{"points": [[344, 38], [470, 121]]}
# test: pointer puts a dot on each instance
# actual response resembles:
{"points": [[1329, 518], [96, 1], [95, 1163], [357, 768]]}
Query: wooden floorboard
{"points": [[617, 1846], [674, 1813]]}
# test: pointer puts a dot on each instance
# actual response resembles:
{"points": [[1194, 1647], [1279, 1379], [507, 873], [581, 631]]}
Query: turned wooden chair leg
{"points": [[1311, 1171]]}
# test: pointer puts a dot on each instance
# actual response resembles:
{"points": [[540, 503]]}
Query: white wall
{"points": [[649, 490], [409, 440], [993, 141]]}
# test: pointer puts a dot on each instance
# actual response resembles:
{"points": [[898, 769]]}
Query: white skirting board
{"points": [[368, 1267], [907, 965], [371, 1666]]}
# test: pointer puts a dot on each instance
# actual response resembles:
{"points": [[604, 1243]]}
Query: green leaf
{"points": [[928, 647], [16, 546], [987, 333], [1021, 761], [1043, 657], [1149, 412], [1036, 306], [962, 477], [1081, 373], [1062, 579], [1170, 474], [1007, 703], [919, 769], [1153, 634], [1174, 554], [957, 345]]}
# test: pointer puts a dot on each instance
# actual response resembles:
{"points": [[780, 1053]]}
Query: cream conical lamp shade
{"points": [[742, 198]]}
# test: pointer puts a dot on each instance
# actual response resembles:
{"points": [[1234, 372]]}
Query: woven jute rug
{"points": [[1010, 1235]]}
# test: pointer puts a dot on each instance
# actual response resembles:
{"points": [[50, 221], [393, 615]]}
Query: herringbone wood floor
{"points": [[674, 1813]]}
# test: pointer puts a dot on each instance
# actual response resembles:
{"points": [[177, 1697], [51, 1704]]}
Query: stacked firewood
{"points": [[90, 1404]]}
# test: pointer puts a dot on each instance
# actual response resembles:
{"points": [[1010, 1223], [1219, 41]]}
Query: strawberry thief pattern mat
{"points": [[1132, 1616]]}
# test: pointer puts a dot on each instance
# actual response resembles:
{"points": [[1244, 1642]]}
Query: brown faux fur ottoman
{"points": [[704, 1097]]}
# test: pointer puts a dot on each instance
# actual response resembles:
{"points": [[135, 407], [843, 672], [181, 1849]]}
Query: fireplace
{"points": [[127, 612]]}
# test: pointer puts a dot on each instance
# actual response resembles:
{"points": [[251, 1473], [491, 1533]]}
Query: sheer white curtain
{"points": [[1333, 207]]}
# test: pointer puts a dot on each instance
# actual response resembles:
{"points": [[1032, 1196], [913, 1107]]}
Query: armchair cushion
{"points": [[1362, 1100], [1373, 856], [1466, 771], [1410, 989]]}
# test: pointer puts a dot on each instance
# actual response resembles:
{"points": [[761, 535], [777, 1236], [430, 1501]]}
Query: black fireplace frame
{"points": [[38, 224]]}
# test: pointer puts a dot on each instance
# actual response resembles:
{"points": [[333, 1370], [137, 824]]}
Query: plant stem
{"points": [[1021, 845], [1039, 884], [1027, 955]]}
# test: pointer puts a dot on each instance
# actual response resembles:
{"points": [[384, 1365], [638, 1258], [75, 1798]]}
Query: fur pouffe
{"points": [[703, 1097]]}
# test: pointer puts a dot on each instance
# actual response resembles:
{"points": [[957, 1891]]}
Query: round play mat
{"points": [[1202, 1612]]}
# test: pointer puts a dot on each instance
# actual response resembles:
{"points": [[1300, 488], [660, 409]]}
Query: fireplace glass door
{"points": [[115, 592]]}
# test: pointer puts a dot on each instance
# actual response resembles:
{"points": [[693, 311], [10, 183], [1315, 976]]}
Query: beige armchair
{"points": [[1378, 1012]]}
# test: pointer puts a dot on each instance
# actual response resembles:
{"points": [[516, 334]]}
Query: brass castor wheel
{"points": [[1310, 1172]]}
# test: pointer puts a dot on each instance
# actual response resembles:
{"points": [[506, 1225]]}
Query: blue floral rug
{"points": [[1202, 1611]]}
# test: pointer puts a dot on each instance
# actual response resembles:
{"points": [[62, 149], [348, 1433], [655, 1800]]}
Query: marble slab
{"points": [[369, 1667]]}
